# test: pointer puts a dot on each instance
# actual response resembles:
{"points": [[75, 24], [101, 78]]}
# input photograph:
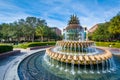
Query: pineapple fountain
{"points": [[76, 50]]}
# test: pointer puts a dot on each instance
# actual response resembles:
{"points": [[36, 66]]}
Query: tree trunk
{"points": [[42, 38], [33, 38]]}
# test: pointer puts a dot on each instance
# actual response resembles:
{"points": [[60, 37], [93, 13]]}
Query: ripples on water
{"points": [[35, 68]]}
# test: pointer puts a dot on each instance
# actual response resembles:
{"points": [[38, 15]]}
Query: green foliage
{"points": [[22, 45], [102, 33], [21, 28], [0, 32], [107, 44], [5, 48], [4, 30], [108, 31], [115, 25], [41, 30], [25, 30], [33, 44]]}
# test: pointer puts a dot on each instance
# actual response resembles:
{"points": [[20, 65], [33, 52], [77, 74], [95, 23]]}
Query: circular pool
{"points": [[37, 67]]}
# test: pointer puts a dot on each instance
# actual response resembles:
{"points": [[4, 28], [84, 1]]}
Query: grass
{"points": [[21, 45], [33, 44], [107, 44]]}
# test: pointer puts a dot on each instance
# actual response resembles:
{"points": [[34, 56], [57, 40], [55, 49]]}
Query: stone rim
{"points": [[79, 59]]}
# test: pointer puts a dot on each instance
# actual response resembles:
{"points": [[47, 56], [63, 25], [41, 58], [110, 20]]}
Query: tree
{"points": [[108, 31], [5, 31], [0, 32], [115, 26], [40, 31], [26, 30], [33, 22], [102, 33], [53, 35]]}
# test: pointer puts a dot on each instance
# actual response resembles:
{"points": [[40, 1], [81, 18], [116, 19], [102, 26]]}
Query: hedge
{"points": [[34, 44], [5, 48], [107, 44]]}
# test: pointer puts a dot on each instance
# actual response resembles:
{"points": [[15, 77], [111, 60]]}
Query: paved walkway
{"points": [[9, 65]]}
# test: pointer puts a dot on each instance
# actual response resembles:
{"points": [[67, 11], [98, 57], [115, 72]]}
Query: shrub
{"points": [[33, 44], [5, 48]]}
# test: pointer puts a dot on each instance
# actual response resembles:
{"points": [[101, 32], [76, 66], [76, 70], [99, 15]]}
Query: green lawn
{"points": [[107, 44], [33, 44]]}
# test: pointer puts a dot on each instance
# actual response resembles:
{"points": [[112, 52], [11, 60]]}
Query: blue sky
{"points": [[57, 12]]}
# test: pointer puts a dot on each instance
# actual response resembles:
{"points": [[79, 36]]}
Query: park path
{"points": [[9, 65]]}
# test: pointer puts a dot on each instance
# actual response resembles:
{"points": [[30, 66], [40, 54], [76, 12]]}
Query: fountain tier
{"points": [[78, 58]]}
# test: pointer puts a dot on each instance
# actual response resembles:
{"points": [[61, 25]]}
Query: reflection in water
{"points": [[40, 67]]}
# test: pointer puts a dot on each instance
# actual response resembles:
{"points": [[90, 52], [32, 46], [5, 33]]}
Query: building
{"points": [[91, 30], [56, 30]]}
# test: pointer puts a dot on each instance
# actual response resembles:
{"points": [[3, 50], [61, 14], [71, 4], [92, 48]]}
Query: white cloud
{"points": [[110, 13], [59, 10], [56, 23], [10, 12], [12, 17]]}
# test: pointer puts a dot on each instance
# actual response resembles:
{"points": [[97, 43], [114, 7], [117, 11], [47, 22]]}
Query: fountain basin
{"points": [[79, 59]]}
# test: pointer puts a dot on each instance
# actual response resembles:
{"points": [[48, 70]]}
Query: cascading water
{"points": [[97, 67], [106, 66], [72, 68], [66, 67], [61, 68], [79, 68], [76, 50], [85, 67], [91, 66]]}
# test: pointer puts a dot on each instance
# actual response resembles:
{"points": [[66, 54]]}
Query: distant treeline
{"points": [[27, 30]]}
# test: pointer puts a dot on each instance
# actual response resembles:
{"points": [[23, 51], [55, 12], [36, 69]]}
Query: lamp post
{"points": [[86, 34]]}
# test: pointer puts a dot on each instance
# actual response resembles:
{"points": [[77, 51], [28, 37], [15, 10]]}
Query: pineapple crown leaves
{"points": [[73, 20]]}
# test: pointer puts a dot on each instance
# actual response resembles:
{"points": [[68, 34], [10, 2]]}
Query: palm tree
{"points": [[40, 30]]}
